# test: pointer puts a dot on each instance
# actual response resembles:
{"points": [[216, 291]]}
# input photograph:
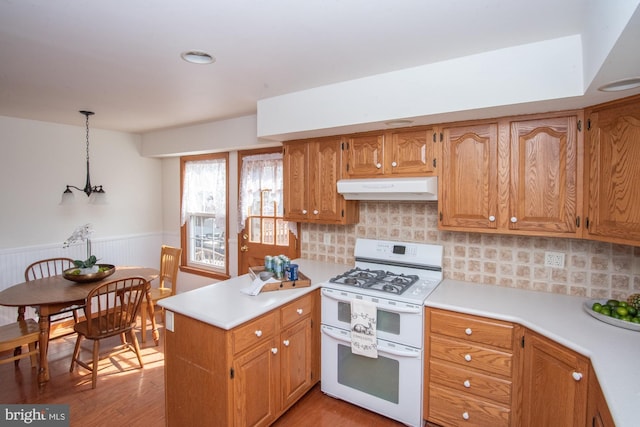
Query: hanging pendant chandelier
{"points": [[95, 193]]}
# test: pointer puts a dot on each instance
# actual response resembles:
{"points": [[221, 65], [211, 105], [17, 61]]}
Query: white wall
{"points": [[39, 159]]}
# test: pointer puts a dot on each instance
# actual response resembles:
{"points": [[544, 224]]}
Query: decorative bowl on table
{"points": [[75, 274]]}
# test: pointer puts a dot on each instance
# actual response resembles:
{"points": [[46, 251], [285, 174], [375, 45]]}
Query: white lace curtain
{"points": [[204, 190], [258, 173]]}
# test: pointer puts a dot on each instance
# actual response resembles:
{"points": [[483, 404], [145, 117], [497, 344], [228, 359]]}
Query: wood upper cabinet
{"points": [[613, 153], [468, 187], [519, 175], [545, 165], [555, 384], [311, 172], [407, 152]]}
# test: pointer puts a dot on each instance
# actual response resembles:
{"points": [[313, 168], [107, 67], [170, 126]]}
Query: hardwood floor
{"points": [[128, 396]]}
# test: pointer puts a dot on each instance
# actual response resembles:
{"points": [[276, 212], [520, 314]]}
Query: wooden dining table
{"points": [[52, 294]]}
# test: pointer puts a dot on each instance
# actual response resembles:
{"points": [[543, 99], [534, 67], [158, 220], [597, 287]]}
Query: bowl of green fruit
{"points": [[623, 314], [75, 274]]}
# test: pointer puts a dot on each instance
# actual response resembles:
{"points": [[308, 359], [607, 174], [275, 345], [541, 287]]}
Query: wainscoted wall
{"points": [[143, 250], [592, 269]]}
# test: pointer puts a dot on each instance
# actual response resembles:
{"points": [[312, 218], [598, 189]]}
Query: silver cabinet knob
{"points": [[304, 211], [378, 165], [576, 376], [316, 212], [492, 218], [394, 164], [286, 343], [274, 350], [258, 333], [299, 311], [514, 219], [467, 357], [468, 331], [465, 415], [466, 383]]}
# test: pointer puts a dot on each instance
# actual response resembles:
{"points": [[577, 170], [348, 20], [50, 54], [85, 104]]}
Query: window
{"points": [[204, 214]]}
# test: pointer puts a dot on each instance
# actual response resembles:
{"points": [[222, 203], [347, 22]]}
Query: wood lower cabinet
{"points": [[246, 376], [613, 156], [472, 370], [555, 381], [598, 414], [311, 170]]}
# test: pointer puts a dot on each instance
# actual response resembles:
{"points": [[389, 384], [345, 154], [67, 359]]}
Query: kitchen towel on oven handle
{"points": [[363, 328]]}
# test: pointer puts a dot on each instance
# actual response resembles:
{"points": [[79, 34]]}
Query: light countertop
{"points": [[224, 306], [614, 351]]}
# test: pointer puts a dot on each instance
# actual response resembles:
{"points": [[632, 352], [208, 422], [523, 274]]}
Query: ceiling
{"points": [[121, 58]]}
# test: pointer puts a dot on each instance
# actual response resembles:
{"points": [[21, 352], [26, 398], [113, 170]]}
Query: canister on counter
{"points": [[278, 268], [292, 272], [268, 263]]}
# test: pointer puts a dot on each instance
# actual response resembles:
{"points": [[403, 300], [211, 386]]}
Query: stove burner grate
{"points": [[379, 280]]}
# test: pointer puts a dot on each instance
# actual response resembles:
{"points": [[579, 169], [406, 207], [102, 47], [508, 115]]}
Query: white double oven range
{"points": [[390, 281]]}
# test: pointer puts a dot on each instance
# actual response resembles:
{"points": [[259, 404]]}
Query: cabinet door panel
{"points": [[412, 153], [552, 395], [296, 182], [469, 184], [544, 174], [614, 193], [255, 386], [327, 204], [296, 362], [365, 156]]}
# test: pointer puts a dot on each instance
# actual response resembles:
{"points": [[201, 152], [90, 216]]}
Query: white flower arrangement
{"points": [[81, 234]]}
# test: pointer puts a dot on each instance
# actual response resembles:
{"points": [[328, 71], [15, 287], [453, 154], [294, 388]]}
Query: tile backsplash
{"points": [[592, 269]]}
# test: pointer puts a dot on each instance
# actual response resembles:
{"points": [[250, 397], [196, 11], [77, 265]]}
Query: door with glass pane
{"points": [[264, 232]]}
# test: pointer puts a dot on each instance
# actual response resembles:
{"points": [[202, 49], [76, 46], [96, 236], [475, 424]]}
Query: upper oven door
{"points": [[398, 322]]}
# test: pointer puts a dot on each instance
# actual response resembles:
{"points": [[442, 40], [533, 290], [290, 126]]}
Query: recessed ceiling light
{"points": [[400, 122], [624, 84], [197, 57]]}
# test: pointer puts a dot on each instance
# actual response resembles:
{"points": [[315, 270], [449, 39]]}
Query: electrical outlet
{"points": [[554, 259]]}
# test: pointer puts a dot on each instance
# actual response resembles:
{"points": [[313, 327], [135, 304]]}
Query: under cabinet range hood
{"points": [[420, 188]]}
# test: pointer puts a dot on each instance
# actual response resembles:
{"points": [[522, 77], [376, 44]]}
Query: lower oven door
{"points": [[390, 385], [396, 321]]}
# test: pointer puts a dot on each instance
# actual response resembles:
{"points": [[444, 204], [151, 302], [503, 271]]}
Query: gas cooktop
{"points": [[379, 280]]}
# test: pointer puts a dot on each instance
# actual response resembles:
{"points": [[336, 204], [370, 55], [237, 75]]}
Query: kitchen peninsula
{"points": [[236, 359]]}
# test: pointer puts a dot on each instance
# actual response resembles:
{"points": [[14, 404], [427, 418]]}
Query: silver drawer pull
{"points": [[576, 376], [467, 383], [286, 343], [467, 357], [465, 415], [299, 311], [258, 333], [274, 350], [468, 331]]}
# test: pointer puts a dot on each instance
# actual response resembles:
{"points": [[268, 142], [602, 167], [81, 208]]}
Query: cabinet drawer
{"points": [[253, 333], [451, 408], [472, 328], [465, 380], [471, 355], [296, 310]]}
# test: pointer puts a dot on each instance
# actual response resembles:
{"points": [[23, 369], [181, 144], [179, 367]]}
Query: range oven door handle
{"points": [[339, 337], [409, 310]]}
